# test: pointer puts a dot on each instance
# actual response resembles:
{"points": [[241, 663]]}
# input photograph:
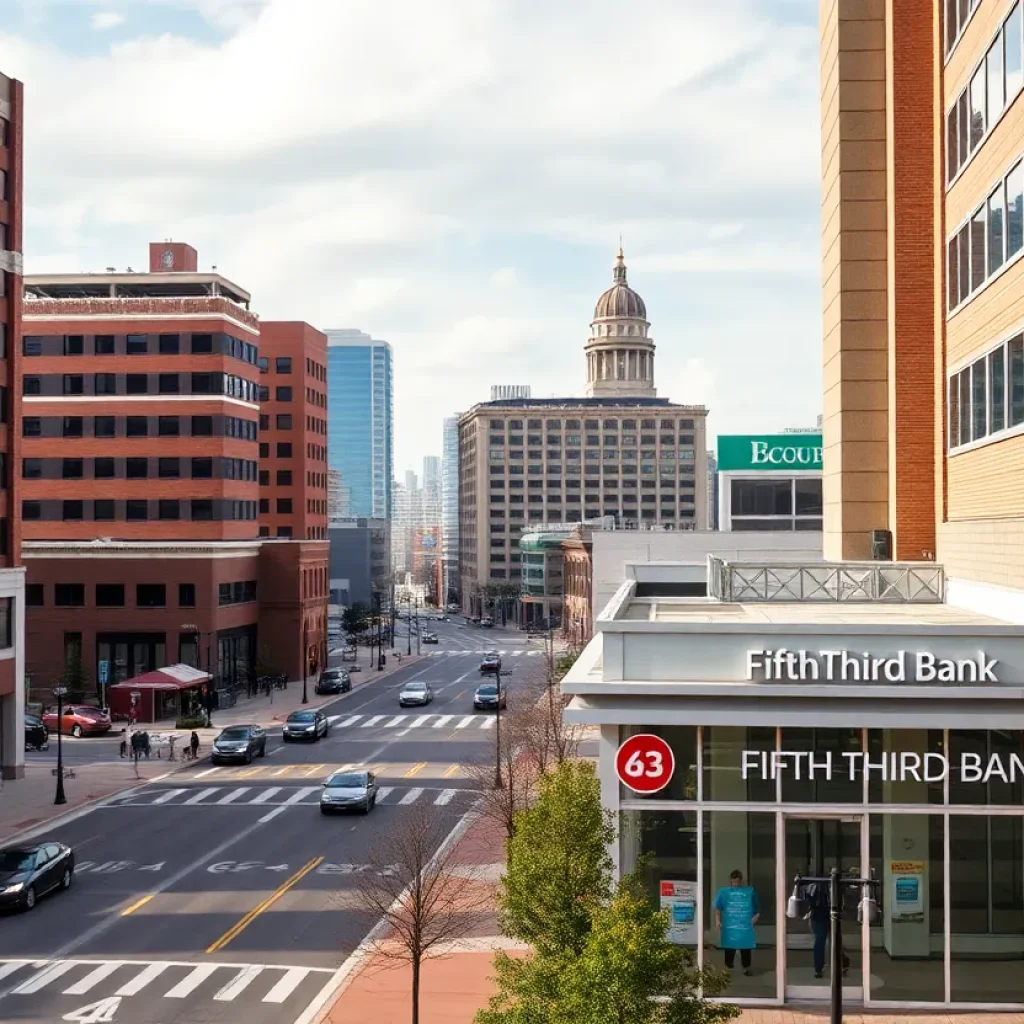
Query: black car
{"points": [[239, 743], [488, 697], [430, 638], [305, 725], [334, 680], [29, 872], [37, 736]]}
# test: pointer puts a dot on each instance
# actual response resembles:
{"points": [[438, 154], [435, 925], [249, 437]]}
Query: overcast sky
{"points": [[452, 176]]}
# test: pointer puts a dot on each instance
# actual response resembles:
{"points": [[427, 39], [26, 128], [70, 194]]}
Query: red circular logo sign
{"points": [[645, 763]]}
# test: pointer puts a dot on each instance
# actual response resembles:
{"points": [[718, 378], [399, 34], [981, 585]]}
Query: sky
{"points": [[453, 177]]}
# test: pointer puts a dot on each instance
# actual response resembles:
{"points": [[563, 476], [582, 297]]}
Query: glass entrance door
{"points": [[813, 846]]}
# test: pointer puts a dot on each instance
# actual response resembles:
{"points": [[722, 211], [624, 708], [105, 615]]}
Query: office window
{"points": [[35, 595], [74, 344], [137, 426], [71, 469], [202, 508], [31, 385], [202, 469], [103, 344], [31, 469], [31, 345], [103, 509], [264, 450], [169, 345], [69, 595], [284, 531], [186, 595], [137, 344], [137, 384], [202, 426], [205, 384], [168, 426], [284, 478], [284, 449], [109, 595], [136, 468], [150, 595], [31, 510], [73, 511], [284, 421], [103, 468], [202, 344], [264, 505], [283, 364], [168, 508], [283, 394], [168, 384], [72, 426], [264, 478], [105, 383], [979, 425], [136, 509], [978, 104], [1015, 210], [31, 426], [996, 384], [978, 249], [73, 384], [169, 468], [104, 426]]}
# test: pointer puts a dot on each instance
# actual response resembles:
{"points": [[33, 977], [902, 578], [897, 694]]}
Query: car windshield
{"points": [[239, 733], [493, 656], [17, 860], [89, 712], [346, 780], [33, 720], [488, 690], [301, 716], [416, 688], [333, 674]]}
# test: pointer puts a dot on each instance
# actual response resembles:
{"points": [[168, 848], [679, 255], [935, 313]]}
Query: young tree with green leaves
{"points": [[74, 676], [356, 619]]}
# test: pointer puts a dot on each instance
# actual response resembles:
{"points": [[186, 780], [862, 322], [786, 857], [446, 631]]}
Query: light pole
{"points": [[305, 660], [417, 625], [498, 782], [60, 692], [408, 629]]}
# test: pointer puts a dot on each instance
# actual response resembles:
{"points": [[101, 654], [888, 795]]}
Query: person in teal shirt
{"points": [[737, 909]]}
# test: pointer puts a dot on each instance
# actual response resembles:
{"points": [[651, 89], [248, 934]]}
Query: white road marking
{"points": [[384, 792], [16, 965], [202, 795], [465, 722], [238, 984], [169, 795], [262, 798], [93, 978], [44, 977], [300, 793], [291, 980], [141, 980], [371, 721], [445, 797], [351, 720], [191, 982], [488, 723], [233, 795], [396, 721], [442, 720], [272, 814], [209, 771], [411, 797]]}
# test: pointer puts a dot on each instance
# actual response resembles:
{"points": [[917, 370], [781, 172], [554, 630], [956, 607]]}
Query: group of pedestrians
{"points": [[137, 742]]}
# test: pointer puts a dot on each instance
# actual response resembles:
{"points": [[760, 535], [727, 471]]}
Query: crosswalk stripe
{"points": [[488, 723], [465, 722], [44, 977], [191, 981], [141, 980], [442, 720], [166, 798], [396, 721], [444, 797], [290, 981], [371, 721], [411, 797], [385, 791], [351, 720], [233, 795], [419, 721], [265, 795], [208, 771], [301, 793], [238, 983], [8, 969], [202, 795], [93, 978]]}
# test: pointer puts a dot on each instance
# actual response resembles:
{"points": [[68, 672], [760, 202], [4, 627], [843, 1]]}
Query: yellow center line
{"points": [[284, 771], [135, 906], [451, 771], [314, 769], [379, 769], [235, 930], [415, 769], [249, 772]]}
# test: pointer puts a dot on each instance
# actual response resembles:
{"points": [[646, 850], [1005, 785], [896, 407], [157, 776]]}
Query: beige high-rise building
{"points": [[619, 452]]}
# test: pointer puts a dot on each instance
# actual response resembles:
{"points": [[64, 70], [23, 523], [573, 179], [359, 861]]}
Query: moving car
{"points": [[28, 872], [429, 638], [415, 693], [78, 720], [305, 725], [334, 680], [239, 743], [490, 662], [37, 736], [349, 791], [487, 698], [487, 621]]}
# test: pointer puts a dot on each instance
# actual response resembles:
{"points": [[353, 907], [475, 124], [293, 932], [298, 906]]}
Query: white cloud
{"points": [[454, 176], [103, 20]]}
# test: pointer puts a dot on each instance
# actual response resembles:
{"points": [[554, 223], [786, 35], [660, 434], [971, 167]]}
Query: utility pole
{"points": [[408, 627], [417, 625], [498, 781]]}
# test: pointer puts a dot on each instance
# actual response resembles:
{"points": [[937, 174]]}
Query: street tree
{"points": [[74, 675], [418, 893], [356, 619]]}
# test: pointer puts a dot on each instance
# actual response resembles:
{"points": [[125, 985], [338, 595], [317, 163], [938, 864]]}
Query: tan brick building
{"points": [[923, 235]]}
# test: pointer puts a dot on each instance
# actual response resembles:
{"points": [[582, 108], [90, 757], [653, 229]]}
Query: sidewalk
{"points": [[28, 803]]}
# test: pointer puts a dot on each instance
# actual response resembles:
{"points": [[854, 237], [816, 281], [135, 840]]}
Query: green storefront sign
{"points": [[758, 452]]}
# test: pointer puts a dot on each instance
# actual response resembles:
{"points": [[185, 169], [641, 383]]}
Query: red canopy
{"points": [[172, 677]]}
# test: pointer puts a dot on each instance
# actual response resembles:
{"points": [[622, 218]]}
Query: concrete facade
{"points": [[360, 559]]}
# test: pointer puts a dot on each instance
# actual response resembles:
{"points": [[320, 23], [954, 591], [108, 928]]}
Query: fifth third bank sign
{"points": [[852, 667]]}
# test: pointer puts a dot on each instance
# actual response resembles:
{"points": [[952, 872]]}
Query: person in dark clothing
{"points": [[820, 917], [194, 744]]}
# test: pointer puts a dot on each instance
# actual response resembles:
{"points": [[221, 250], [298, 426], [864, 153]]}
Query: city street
{"points": [[222, 891]]}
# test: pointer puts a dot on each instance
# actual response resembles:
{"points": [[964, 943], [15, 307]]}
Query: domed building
{"points": [[620, 350]]}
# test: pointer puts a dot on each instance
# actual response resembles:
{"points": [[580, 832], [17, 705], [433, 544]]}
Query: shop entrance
{"points": [[813, 846]]}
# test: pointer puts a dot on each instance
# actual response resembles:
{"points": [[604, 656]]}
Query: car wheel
{"points": [[367, 806], [65, 882], [76, 731], [263, 749], [248, 757], [323, 810], [30, 897]]}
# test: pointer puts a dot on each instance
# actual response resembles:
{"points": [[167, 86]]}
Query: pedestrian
{"points": [[820, 918], [133, 716], [737, 909], [136, 742], [194, 744], [124, 743]]}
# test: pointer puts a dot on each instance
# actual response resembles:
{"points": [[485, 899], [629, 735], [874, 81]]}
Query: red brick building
{"points": [[293, 431], [139, 470], [12, 576]]}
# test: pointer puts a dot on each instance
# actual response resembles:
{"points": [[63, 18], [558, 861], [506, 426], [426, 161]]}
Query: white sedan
{"points": [[415, 694]]}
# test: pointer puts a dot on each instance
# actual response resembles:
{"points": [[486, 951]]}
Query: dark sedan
{"points": [[239, 743], [37, 736], [30, 872], [488, 697], [334, 680]]}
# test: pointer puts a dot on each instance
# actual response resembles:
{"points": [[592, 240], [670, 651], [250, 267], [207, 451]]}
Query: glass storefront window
{"points": [[737, 841], [893, 782], [986, 767], [723, 760], [805, 780], [683, 741], [986, 908]]}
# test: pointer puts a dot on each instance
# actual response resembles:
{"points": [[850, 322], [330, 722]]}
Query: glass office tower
{"points": [[360, 423]]}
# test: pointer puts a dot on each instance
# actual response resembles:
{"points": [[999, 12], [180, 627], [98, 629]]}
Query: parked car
{"points": [[415, 693], [239, 743], [305, 725], [489, 697], [334, 680], [490, 662], [429, 638], [28, 872], [349, 791], [37, 736], [487, 622], [78, 720]]}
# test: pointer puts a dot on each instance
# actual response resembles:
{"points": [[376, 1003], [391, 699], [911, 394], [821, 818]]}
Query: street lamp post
{"points": [[498, 781], [418, 626], [60, 692], [408, 630]]}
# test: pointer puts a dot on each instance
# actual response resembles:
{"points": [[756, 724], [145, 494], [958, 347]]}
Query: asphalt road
{"points": [[222, 894]]}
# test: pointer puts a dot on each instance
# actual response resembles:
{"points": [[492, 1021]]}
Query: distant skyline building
{"points": [[450, 507], [505, 392], [408, 516], [360, 423]]}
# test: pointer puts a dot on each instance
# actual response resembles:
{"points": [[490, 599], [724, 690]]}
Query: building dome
{"points": [[620, 301]]}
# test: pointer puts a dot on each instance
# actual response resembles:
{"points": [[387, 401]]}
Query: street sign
{"points": [[104, 672], [60, 691], [645, 763]]}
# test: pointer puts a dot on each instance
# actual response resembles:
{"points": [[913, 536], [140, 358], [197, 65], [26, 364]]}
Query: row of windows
{"points": [[316, 452], [139, 468], [138, 510], [315, 370], [593, 463], [281, 394], [574, 499], [958, 13], [236, 593], [666, 424], [610, 440], [993, 87], [283, 532], [283, 507], [138, 426], [282, 421], [282, 364], [993, 234], [987, 397], [283, 450], [283, 478], [573, 515], [801, 497], [685, 481], [138, 345], [112, 595], [316, 507], [56, 384]]}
